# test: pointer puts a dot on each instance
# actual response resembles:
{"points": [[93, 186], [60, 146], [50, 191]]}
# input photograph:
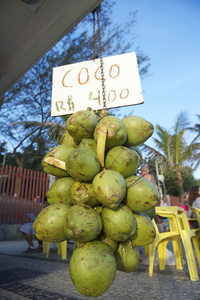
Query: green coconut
{"points": [[60, 191], [139, 153], [127, 257], [68, 139], [92, 268], [90, 143], [82, 193], [61, 153], [50, 223], [82, 164], [118, 224], [141, 194], [109, 188], [123, 160], [81, 124], [116, 131], [145, 232], [111, 243], [138, 130], [84, 224], [151, 213]]}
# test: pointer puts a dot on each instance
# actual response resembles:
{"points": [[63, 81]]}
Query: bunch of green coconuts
{"points": [[97, 200]]}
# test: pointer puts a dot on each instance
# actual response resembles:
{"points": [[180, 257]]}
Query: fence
{"points": [[22, 191]]}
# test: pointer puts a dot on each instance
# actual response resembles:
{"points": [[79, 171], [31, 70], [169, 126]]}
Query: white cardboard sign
{"points": [[79, 86]]}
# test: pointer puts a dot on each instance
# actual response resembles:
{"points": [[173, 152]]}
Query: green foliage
{"points": [[170, 183], [173, 150], [170, 178], [10, 159], [188, 179]]}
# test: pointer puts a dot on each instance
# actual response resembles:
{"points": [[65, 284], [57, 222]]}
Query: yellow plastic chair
{"points": [[192, 233], [178, 219], [196, 212], [46, 247], [160, 241], [62, 249]]}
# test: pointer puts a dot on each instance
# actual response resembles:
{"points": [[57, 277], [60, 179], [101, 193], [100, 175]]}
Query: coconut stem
{"points": [[55, 162]]}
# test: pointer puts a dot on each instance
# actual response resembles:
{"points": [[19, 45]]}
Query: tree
{"points": [[196, 130], [25, 109], [173, 150], [171, 183]]}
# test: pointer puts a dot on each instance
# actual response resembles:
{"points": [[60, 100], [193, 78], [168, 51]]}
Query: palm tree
{"points": [[196, 130], [173, 150]]}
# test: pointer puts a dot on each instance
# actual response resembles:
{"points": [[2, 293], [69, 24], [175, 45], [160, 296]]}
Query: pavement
{"points": [[35, 277]]}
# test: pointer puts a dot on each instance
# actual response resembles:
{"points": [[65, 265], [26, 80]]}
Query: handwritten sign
{"points": [[78, 86]]}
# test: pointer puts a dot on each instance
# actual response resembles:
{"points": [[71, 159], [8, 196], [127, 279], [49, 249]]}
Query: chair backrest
{"points": [[168, 212], [178, 219], [196, 211], [155, 226]]}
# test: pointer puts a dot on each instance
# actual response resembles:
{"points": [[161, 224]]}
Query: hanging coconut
{"points": [[81, 124], [83, 223], [123, 160], [92, 268], [141, 194], [50, 223], [116, 131], [145, 233], [60, 191], [54, 161], [118, 224], [83, 164], [138, 130], [82, 193], [109, 188], [127, 257]]}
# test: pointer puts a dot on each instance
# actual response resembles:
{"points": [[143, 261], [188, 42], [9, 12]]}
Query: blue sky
{"points": [[168, 32]]}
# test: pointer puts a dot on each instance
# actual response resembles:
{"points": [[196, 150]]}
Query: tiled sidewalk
{"points": [[33, 276]]}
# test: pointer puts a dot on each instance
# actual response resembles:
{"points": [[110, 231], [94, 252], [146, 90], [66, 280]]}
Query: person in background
{"points": [[28, 232], [194, 201], [164, 203], [194, 196], [186, 207], [144, 172], [165, 221]]}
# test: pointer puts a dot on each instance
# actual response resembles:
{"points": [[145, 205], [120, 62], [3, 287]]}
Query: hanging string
{"points": [[94, 36], [97, 10]]}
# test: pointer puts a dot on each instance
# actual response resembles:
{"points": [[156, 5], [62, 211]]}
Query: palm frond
{"points": [[182, 122], [153, 153], [52, 129]]}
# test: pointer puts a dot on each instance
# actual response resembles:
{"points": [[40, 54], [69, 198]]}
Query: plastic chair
{"points": [[46, 247], [193, 233], [196, 212], [160, 241], [62, 249], [178, 219]]}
